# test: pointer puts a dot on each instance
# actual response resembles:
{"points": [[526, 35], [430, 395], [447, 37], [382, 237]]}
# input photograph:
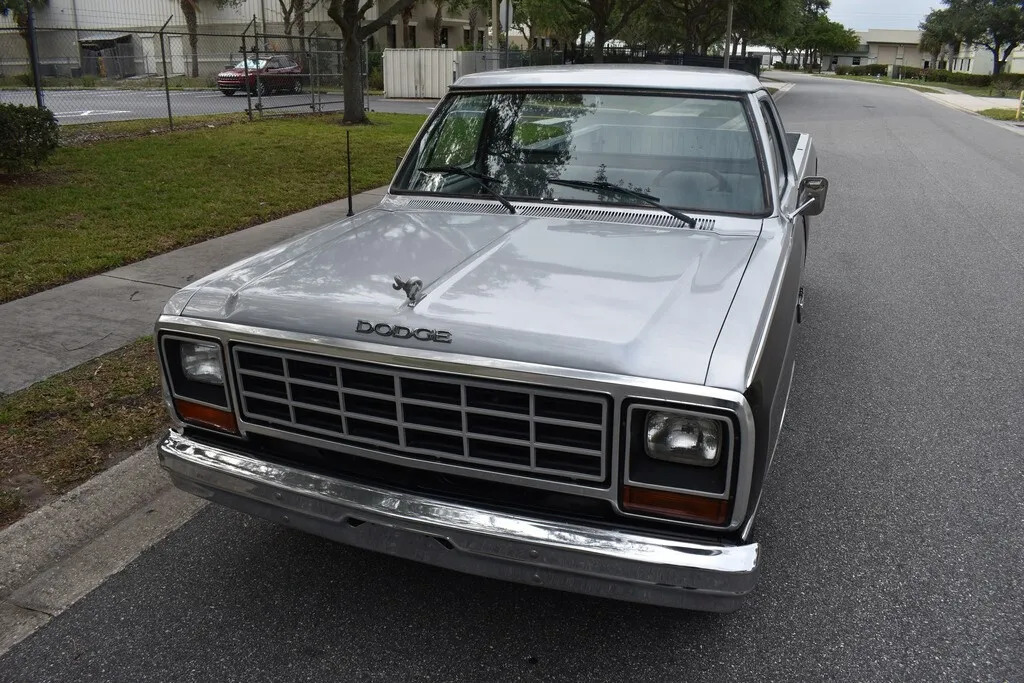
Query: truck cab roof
{"points": [[614, 76]]}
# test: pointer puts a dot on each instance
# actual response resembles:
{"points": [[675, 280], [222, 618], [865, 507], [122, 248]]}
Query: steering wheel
{"points": [[723, 184]]}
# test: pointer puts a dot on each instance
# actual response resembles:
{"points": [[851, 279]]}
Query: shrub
{"points": [[842, 70], [914, 72], [376, 79], [977, 80], [27, 136]]}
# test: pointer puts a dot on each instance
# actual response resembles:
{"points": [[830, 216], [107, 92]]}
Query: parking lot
{"points": [[91, 106]]}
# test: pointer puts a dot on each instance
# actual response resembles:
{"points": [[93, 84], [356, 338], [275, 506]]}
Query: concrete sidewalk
{"points": [[46, 333], [959, 100]]}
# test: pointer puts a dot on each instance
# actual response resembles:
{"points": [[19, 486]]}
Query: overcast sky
{"points": [[865, 14]]}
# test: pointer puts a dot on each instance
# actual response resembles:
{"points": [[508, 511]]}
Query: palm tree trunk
{"points": [[188, 7], [439, 11]]}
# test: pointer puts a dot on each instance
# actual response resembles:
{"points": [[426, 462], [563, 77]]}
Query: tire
{"points": [[297, 86], [228, 93], [261, 89]]}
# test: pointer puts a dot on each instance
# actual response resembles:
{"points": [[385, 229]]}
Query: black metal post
{"points": [[256, 57], [348, 164], [245, 68], [33, 55], [163, 61]]}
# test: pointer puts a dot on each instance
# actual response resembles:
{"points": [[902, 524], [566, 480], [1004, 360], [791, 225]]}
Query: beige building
{"points": [[892, 47]]}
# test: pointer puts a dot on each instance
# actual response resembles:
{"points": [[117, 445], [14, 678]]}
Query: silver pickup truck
{"points": [[558, 351]]}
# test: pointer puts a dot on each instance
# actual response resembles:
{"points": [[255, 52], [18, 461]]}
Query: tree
{"points": [[293, 16], [439, 7], [996, 25], [349, 16], [190, 9], [605, 17], [18, 11], [824, 36], [938, 35]]}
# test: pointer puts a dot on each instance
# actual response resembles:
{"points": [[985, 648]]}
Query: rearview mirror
{"points": [[813, 189]]}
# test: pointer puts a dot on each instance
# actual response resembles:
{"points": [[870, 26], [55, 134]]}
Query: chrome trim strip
{"points": [[622, 565], [768, 313], [619, 387], [748, 527]]}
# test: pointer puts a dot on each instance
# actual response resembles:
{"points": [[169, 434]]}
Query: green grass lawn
{"points": [[56, 434], [103, 202], [1000, 114]]}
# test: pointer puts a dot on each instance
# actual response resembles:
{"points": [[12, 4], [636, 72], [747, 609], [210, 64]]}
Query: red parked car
{"points": [[274, 73]]}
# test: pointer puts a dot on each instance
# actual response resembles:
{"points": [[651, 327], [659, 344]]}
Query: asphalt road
{"points": [[91, 106], [891, 529]]}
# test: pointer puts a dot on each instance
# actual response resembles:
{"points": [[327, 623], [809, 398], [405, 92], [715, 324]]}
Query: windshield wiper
{"points": [[602, 186], [482, 180]]}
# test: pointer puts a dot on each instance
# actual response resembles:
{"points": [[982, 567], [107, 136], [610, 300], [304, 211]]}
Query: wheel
{"points": [[261, 89], [228, 93], [297, 85]]}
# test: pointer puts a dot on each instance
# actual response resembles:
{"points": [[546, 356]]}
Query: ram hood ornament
{"points": [[411, 287]]}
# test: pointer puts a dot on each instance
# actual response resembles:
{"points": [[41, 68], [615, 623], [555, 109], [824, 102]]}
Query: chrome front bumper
{"points": [[571, 557]]}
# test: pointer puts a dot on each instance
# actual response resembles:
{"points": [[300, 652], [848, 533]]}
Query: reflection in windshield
{"points": [[691, 153], [253, 64]]}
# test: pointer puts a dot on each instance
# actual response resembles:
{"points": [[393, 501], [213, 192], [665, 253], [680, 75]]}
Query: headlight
{"points": [[683, 439], [202, 362]]}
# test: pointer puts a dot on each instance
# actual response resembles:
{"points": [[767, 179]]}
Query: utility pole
{"points": [[728, 36]]}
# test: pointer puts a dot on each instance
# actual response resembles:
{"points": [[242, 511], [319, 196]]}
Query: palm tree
{"points": [[18, 10], [190, 8]]}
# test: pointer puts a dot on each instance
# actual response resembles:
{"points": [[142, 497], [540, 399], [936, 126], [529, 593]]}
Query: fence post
{"points": [[1020, 104], [163, 61], [33, 56], [245, 68], [256, 57]]}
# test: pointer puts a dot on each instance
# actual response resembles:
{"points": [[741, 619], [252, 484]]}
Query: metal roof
{"points": [[640, 76]]}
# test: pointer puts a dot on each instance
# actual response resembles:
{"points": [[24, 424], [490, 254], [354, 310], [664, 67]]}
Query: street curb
{"points": [[783, 89], [1019, 130], [62, 551]]}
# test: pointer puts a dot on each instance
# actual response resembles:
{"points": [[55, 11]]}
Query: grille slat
{"points": [[464, 421]]}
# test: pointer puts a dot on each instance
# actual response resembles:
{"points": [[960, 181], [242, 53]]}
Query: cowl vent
{"points": [[630, 216]]}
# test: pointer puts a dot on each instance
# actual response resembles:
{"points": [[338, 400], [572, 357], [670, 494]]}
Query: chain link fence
{"points": [[104, 75]]}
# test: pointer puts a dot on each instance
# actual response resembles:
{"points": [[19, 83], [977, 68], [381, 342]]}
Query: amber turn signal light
{"points": [[676, 505], [205, 416]]}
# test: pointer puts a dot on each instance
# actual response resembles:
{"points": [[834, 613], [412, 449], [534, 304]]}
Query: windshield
{"points": [[691, 153], [253, 64]]}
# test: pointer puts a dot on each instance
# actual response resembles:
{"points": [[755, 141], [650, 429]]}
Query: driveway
{"points": [[891, 528]]}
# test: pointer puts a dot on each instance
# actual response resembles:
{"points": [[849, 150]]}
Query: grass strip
{"points": [[1000, 114], [100, 205], [60, 432], [885, 81]]}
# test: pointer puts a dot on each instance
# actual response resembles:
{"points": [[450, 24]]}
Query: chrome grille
{"points": [[502, 426]]}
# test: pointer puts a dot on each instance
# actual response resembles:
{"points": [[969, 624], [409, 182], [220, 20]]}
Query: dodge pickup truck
{"points": [[558, 352]]}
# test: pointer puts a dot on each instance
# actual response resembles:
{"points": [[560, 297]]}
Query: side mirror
{"points": [[813, 191]]}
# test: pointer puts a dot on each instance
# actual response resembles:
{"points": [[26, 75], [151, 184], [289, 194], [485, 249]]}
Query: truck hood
{"points": [[607, 297]]}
